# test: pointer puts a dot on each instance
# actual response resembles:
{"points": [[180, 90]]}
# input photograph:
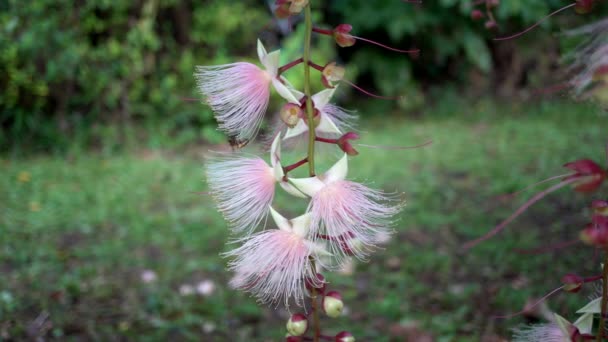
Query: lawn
{"points": [[126, 245]]}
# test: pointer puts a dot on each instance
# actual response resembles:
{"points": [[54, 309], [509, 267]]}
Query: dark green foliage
{"points": [[68, 65]]}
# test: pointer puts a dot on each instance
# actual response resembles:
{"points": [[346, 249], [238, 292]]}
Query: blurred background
{"points": [[104, 232]]}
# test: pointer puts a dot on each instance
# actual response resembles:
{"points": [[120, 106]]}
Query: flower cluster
{"points": [[280, 262]]}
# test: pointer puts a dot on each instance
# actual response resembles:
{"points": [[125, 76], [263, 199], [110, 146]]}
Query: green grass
{"points": [[77, 232]]}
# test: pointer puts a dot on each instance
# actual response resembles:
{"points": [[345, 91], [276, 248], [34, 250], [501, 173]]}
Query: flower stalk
{"points": [[600, 332]]}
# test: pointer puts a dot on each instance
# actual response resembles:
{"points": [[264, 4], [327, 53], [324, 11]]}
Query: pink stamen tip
{"points": [[390, 98], [518, 212], [536, 24], [388, 147], [528, 308], [385, 46]]}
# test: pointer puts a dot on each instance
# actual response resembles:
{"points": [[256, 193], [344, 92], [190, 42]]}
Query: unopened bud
{"points": [[345, 145], [342, 35], [332, 73], [595, 235], [572, 283], [282, 9], [319, 284], [490, 24], [477, 14], [290, 114], [297, 325], [333, 304], [600, 73], [344, 336], [600, 207], [584, 6]]}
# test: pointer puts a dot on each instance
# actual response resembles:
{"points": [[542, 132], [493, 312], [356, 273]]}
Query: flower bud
{"points": [[332, 73], [333, 304], [595, 235], [477, 14], [344, 336], [293, 339], [345, 145], [319, 284], [600, 207], [297, 325], [342, 35], [588, 175], [584, 6], [282, 9], [290, 114], [490, 24], [572, 283]]}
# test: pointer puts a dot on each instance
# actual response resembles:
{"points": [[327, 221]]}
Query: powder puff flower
{"points": [[348, 215], [239, 93], [560, 330], [274, 265], [243, 189], [332, 119]]}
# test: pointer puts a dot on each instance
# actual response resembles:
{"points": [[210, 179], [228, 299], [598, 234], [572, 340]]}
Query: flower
{"points": [[274, 264], [348, 215], [239, 93], [331, 118], [243, 189]]}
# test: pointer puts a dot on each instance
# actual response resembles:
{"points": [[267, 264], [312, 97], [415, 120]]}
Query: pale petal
{"points": [[310, 186], [275, 151], [298, 129], [563, 324], [338, 171], [284, 91], [282, 222], [301, 225], [592, 307], [321, 99], [585, 323], [261, 51], [290, 189], [318, 250], [326, 125], [271, 62]]}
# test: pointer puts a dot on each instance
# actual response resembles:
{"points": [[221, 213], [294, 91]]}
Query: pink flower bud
{"points": [[342, 35], [600, 73], [319, 284], [588, 174], [297, 325], [600, 207], [333, 304], [345, 145], [572, 283], [332, 73], [491, 24], [477, 14], [345, 336], [596, 234], [290, 114], [584, 6]]}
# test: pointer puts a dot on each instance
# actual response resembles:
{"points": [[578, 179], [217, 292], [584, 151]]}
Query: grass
{"points": [[78, 232]]}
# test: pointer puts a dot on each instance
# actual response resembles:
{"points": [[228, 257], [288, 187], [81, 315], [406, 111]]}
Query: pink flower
{"points": [[349, 215], [542, 332], [239, 93], [273, 265], [243, 189]]}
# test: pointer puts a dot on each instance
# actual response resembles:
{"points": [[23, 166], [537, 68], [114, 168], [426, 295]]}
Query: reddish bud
{"points": [[600, 207], [342, 35], [344, 143], [297, 325], [318, 285], [595, 234], [344, 336], [600, 73], [572, 283], [588, 174], [490, 24], [477, 14], [293, 339], [333, 304], [584, 6], [281, 10]]}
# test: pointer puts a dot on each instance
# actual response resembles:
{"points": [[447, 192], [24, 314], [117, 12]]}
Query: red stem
{"points": [[326, 140], [316, 66], [322, 31], [290, 65], [295, 165], [536, 24]]}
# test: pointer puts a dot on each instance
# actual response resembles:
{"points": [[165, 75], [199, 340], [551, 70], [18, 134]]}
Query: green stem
{"points": [[308, 92], [600, 333]]}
